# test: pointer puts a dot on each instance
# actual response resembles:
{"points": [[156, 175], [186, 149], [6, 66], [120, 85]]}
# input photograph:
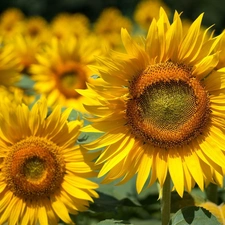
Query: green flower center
{"points": [[167, 105], [69, 80], [34, 168]]}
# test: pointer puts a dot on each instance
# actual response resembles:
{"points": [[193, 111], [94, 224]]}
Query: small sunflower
{"points": [[65, 25], [161, 108], [108, 27], [147, 10], [37, 27], [43, 174], [11, 22], [62, 68]]}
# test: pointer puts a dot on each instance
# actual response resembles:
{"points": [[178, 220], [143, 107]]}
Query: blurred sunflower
{"points": [[161, 108], [37, 27], [9, 66], [108, 27], [43, 174], [62, 67], [25, 49], [11, 22], [65, 25], [147, 10]]}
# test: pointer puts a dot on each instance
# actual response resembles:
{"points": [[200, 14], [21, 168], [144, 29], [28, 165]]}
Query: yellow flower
{"points": [[43, 174], [25, 49], [108, 27], [37, 27], [161, 108], [9, 66], [62, 68], [65, 25], [11, 22], [147, 10]]}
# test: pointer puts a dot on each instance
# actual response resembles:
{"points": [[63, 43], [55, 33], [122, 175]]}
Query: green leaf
{"points": [[113, 222], [193, 215], [179, 203], [105, 203], [136, 221], [26, 82]]}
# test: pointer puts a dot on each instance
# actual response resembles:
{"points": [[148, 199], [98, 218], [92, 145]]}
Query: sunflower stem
{"points": [[166, 201], [212, 193]]}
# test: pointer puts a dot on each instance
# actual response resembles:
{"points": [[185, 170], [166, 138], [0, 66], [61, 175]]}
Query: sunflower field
{"points": [[116, 117]]}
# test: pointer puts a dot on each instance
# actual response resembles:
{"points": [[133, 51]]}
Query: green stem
{"points": [[166, 201], [212, 193]]}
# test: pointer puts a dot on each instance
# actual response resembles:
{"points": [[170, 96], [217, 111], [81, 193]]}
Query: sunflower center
{"points": [[72, 77], [168, 106], [68, 80], [34, 168]]}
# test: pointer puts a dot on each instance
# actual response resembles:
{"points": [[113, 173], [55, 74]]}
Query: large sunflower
{"points": [[161, 108], [43, 174], [62, 67]]}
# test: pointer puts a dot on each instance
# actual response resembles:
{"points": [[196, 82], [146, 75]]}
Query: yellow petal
{"points": [[42, 215], [144, 169], [187, 45], [193, 165], [176, 170], [116, 148], [76, 192], [15, 213], [152, 41], [115, 160], [206, 65], [106, 139], [213, 153], [61, 210], [161, 166], [188, 180], [8, 211], [216, 80]]}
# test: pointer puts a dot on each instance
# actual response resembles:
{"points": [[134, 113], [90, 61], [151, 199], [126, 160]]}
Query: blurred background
{"points": [[214, 10]]}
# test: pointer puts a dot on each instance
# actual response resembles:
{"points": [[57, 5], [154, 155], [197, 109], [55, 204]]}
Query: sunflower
{"points": [[11, 22], [37, 27], [147, 10], [161, 109], [65, 25], [25, 49], [62, 68], [9, 66], [44, 175], [108, 26]]}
